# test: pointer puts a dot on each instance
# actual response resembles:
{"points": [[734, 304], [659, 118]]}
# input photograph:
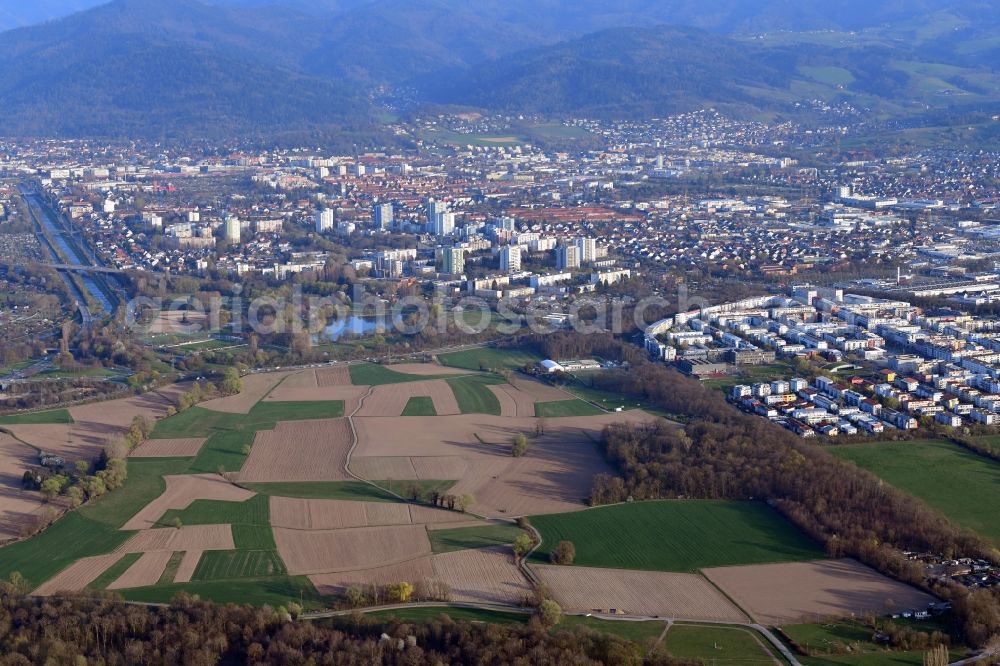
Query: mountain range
{"points": [[165, 68]]}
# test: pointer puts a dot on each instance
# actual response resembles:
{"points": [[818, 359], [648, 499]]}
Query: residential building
{"points": [[382, 216], [567, 257], [453, 260], [510, 258], [324, 220]]}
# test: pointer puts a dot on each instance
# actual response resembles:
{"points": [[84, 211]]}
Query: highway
{"points": [[52, 236]]}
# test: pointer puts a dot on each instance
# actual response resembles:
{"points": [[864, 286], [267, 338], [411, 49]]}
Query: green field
{"points": [[93, 528], [268, 413], [675, 535], [566, 408], [488, 358], [32, 418], [274, 591], [112, 573], [473, 394], [253, 537], [465, 538], [144, 484], [721, 645], [229, 564], [229, 434], [828, 644], [960, 484], [67, 540], [195, 422], [373, 374], [253, 511], [419, 405]]}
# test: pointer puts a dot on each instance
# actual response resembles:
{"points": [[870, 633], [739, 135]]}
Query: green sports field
{"points": [[488, 358], [675, 535], [960, 484], [566, 408], [721, 645]]}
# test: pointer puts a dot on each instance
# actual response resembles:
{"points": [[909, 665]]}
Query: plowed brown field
{"points": [[351, 395], [410, 572], [338, 375], [300, 451], [144, 571], [805, 591], [19, 508], [97, 424], [513, 402], [187, 566], [672, 595], [391, 399], [538, 390], [310, 552], [188, 537], [78, 575], [487, 575], [555, 476]]}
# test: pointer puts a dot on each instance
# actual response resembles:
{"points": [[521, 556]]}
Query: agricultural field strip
{"points": [[145, 571], [331, 551], [325, 514], [667, 594], [795, 592], [187, 567], [314, 450], [78, 574], [479, 576]]}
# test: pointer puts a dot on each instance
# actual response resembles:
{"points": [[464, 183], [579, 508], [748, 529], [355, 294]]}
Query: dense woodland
{"points": [[79, 630]]}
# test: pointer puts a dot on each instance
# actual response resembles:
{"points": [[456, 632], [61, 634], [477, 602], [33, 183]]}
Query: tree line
{"points": [[102, 629]]}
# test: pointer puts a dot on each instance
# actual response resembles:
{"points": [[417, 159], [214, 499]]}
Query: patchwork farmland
{"points": [[315, 485]]}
